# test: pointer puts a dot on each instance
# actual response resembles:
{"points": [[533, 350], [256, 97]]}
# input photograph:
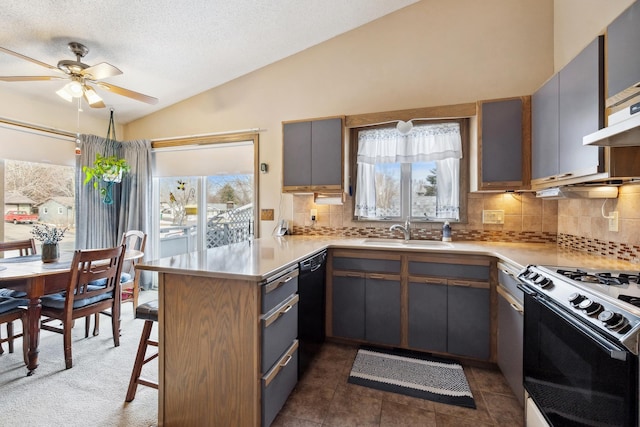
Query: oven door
{"points": [[575, 375]]}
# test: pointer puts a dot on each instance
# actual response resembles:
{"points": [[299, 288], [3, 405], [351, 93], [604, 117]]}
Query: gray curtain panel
{"points": [[99, 225]]}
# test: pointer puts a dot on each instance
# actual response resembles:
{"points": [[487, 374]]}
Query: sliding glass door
{"points": [[205, 196]]}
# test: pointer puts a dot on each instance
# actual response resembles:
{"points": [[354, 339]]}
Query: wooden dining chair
{"points": [[135, 240], [82, 299], [11, 309], [24, 247]]}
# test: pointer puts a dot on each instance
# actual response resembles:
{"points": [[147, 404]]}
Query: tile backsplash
{"points": [[572, 223]]}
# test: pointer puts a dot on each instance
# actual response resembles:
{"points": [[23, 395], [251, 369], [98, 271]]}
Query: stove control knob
{"points": [[575, 299], [611, 319], [542, 281], [590, 307]]}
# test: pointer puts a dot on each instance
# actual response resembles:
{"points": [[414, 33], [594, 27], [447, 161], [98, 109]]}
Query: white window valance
{"points": [[425, 143]]}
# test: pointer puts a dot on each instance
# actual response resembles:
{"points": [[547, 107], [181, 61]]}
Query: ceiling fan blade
{"points": [[100, 71], [92, 97], [30, 78], [128, 93], [26, 58]]}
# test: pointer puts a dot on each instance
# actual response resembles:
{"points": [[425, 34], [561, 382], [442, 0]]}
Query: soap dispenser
{"points": [[446, 232]]}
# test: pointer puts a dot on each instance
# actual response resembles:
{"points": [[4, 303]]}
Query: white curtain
{"points": [[440, 142]]}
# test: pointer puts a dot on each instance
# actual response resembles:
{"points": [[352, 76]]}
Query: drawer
{"points": [[368, 265], [507, 278], [278, 383], [277, 290], [279, 330], [461, 271]]}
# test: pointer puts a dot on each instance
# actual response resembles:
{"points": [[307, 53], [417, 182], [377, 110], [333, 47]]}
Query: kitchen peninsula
{"points": [[211, 317]]}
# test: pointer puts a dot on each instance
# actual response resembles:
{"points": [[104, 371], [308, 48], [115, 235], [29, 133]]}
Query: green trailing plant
{"points": [[108, 169]]}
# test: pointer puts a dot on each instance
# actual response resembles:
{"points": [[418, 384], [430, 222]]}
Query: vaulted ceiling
{"points": [[167, 49]]}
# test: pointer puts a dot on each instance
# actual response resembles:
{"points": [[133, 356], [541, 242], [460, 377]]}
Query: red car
{"points": [[20, 217]]}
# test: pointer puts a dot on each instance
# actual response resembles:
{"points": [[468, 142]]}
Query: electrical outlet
{"points": [[314, 214], [493, 217], [613, 221]]}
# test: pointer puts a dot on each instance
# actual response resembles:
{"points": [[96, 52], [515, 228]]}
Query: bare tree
{"points": [[39, 181]]}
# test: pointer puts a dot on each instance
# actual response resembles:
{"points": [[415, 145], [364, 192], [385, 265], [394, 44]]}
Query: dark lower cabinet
{"points": [[348, 306], [510, 342], [428, 315], [469, 321], [366, 308], [382, 310]]}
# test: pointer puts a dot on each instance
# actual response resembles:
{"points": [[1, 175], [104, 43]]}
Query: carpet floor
{"points": [[92, 392]]}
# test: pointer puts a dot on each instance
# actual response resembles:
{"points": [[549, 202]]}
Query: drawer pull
{"points": [[271, 375], [282, 311], [286, 362], [508, 273], [270, 287], [517, 308], [353, 275]]}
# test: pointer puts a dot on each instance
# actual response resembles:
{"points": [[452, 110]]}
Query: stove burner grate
{"points": [[630, 299], [602, 278]]}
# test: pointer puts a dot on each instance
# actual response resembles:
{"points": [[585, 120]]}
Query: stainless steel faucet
{"points": [[406, 229]]}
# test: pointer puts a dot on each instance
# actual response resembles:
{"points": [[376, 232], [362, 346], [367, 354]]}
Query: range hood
{"points": [[579, 192], [623, 128]]}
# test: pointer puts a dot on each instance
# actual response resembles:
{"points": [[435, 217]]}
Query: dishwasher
{"points": [[311, 313]]}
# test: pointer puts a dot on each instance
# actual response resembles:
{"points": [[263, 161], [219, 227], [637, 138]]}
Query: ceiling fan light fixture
{"points": [[62, 93], [74, 88], [92, 97]]}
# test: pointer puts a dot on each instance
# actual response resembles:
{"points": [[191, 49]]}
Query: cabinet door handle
{"points": [[376, 276], [551, 178], [353, 275], [286, 310], [565, 175]]}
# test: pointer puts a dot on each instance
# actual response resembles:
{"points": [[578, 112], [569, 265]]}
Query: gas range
{"points": [[608, 301]]}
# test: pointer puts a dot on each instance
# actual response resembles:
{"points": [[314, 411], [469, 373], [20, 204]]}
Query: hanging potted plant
{"points": [[107, 170]]}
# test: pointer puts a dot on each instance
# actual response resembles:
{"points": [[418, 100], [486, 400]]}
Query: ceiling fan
{"points": [[80, 75]]}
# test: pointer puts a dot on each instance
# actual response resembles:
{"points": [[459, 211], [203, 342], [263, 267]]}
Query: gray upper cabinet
{"points": [[623, 61], [544, 130], [581, 110], [567, 107], [313, 155], [504, 144]]}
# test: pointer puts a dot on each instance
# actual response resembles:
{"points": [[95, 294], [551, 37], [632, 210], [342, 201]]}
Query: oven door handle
{"points": [[526, 290], [615, 352]]}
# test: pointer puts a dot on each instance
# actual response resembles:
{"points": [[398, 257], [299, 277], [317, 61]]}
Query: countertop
{"points": [[257, 259]]}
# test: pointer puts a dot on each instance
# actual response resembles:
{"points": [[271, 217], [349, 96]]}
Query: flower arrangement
{"points": [[48, 235]]}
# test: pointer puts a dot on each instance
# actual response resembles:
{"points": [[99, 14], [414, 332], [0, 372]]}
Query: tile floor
{"points": [[324, 398]]}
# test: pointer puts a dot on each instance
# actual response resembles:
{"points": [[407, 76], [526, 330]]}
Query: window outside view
{"points": [[39, 193], [228, 206], [424, 189]]}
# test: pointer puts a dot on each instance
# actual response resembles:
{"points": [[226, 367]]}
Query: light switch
{"points": [[493, 217]]}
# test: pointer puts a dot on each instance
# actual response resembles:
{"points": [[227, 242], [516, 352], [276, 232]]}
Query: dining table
{"points": [[37, 279]]}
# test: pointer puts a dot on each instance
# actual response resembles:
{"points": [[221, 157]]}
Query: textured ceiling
{"points": [[169, 49]]}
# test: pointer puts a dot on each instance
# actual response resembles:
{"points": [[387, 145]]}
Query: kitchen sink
{"points": [[408, 243]]}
